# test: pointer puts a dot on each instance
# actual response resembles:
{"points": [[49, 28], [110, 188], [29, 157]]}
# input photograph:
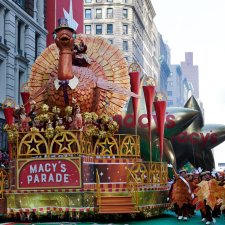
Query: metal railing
{"points": [[1, 185], [4, 182], [36, 144], [154, 174], [98, 190], [146, 175], [132, 186]]}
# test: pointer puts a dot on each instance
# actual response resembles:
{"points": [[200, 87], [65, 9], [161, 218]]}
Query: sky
{"points": [[198, 26]]}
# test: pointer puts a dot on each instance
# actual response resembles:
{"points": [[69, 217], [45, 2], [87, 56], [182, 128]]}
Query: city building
{"points": [[129, 25], [191, 72], [221, 166], [179, 89], [174, 86], [164, 61], [22, 39]]}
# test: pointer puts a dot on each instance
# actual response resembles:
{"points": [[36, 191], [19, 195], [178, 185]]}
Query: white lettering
{"points": [[47, 167], [63, 168], [43, 177], [46, 172], [54, 166], [58, 177], [66, 178], [41, 169], [50, 179], [29, 178], [36, 178], [33, 169]]}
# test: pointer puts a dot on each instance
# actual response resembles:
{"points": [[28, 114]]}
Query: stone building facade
{"points": [[129, 25], [164, 61], [22, 39]]}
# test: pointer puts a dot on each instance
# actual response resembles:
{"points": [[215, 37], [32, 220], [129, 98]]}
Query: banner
{"points": [[49, 173]]}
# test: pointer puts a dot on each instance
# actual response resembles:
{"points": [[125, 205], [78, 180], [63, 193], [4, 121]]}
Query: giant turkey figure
{"points": [[101, 85]]}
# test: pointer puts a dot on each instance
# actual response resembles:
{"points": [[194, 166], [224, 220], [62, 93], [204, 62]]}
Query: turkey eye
{"points": [[74, 36], [54, 35]]}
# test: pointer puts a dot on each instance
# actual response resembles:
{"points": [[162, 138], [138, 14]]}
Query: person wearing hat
{"points": [[205, 175], [193, 181], [181, 194], [221, 182], [206, 212]]}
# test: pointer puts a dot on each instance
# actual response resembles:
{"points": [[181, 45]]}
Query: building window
{"points": [[19, 45], [169, 93], [109, 13], [125, 13], [154, 48], [109, 0], [3, 138], [37, 40], [20, 3], [99, 29], [109, 28], [124, 1], [20, 38], [170, 83], [110, 41], [99, 13], [125, 29], [87, 13], [127, 58], [20, 83], [170, 102], [98, 1], [88, 1], [125, 45], [87, 29], [3, 82]]}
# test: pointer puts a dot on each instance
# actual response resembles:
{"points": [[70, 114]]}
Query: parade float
{"points": [[66, 156], [77, 151]]}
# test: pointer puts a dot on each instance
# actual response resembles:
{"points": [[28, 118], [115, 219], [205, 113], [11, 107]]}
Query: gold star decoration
{"points": [[8, 104], [129, 145], [159, 96], [134, 67], [34, 143], [108, 147], [150, 81], [66, 143]]}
